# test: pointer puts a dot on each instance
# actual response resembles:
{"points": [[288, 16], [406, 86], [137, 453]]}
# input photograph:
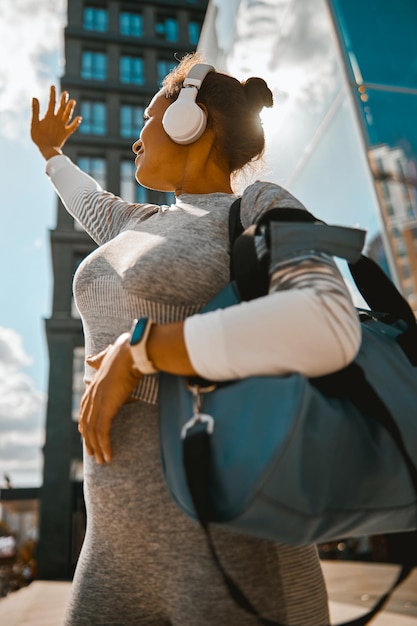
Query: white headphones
{"points": [[184, 121]]}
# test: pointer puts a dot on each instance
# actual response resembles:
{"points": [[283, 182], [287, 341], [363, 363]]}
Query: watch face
{"points": [[138, 331]]}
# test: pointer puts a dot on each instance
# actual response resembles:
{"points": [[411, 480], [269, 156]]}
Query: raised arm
{"points": [[52, 131]]}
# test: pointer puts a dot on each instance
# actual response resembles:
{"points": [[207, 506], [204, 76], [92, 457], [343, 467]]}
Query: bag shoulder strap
{"points": [[235, 225], [252, 277]]}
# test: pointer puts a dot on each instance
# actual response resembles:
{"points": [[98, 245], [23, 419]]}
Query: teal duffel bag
{"points": [[300, 460], [293, 461]]}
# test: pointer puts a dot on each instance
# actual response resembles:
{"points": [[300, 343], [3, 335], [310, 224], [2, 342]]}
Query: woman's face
{"points": [[160, 162]]}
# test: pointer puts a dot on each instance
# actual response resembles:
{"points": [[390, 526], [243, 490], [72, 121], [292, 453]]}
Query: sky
{"points": [[31, 37]]}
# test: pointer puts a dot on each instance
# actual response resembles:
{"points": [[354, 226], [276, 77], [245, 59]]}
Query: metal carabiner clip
{"points": [[198, 417]]}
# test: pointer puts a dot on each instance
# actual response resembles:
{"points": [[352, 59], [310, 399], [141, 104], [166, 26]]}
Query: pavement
{"points": [[353, 587]]}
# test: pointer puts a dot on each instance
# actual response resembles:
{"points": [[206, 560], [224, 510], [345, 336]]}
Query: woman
{"points": [[143, 561]]}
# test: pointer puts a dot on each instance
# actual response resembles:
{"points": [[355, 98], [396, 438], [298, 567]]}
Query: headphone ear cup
{"points": [[184, 121]]}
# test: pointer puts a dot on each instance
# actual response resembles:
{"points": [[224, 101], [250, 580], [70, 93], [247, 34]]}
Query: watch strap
{"points": [[138, 348]]}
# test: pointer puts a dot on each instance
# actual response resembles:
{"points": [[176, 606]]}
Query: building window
{"points": [[401, 248], [131, 121], [78, 386], [94, 118], [132, 70], [94, 65], [131, 24], [95, 19], [166, 27], [163, 68], [406, 271], [130, 190], [390, 208], [94, 166], [194, 29]]}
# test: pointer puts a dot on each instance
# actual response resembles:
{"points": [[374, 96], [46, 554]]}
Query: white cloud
{"points": [[22, 409], [31, 40]]}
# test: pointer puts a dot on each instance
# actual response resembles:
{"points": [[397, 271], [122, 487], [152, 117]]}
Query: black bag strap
{"points": [[250, 273], [382, 295], [351, 382], [197, 464]]}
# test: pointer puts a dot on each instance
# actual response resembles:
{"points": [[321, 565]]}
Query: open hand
{"points": [[51, 132], [111, 387]]}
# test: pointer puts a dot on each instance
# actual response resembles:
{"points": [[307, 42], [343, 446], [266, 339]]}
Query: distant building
{"points": [[19, 508], [116, 53], [395, 183], [382, 78]]}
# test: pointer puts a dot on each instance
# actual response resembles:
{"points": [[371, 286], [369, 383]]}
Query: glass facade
{"points": [[380, 51], [316, 140]]}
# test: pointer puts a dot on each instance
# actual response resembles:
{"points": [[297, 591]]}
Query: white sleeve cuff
{"points": [[205, 344], [56, 163], [289, 331]]}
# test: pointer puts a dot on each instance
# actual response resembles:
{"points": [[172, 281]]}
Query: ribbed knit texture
{"points": [[143, 562]]}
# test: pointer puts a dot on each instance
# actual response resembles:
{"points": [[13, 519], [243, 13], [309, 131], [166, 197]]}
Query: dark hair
{"points": [[233, 110]]}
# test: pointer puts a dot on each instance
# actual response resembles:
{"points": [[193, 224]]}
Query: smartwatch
{"points": [[138, 339]]}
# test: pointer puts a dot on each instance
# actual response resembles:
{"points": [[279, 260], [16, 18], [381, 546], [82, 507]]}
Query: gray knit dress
{"points": [[143, 561]]}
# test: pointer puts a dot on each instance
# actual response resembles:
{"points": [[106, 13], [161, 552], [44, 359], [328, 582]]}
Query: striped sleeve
{"points": [[307, 324], [101, 214]]}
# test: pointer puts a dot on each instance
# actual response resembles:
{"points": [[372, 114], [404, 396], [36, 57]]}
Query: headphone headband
{"points": [[197, 74]]}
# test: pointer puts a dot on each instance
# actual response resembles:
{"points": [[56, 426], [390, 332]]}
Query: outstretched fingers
{"points": [[67, 116], [35, 110], [52, 101]]}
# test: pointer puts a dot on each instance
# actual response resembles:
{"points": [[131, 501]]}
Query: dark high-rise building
{"points": [[116, 54]]}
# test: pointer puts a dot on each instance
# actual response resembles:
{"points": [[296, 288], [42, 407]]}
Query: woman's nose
{"points": [[136, 146]]}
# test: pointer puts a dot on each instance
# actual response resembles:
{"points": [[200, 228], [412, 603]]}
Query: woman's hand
{"points": [[110, 388], [51, 132]]}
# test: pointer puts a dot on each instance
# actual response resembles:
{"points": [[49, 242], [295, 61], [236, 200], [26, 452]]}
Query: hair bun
{"points": [[258, 94]]}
